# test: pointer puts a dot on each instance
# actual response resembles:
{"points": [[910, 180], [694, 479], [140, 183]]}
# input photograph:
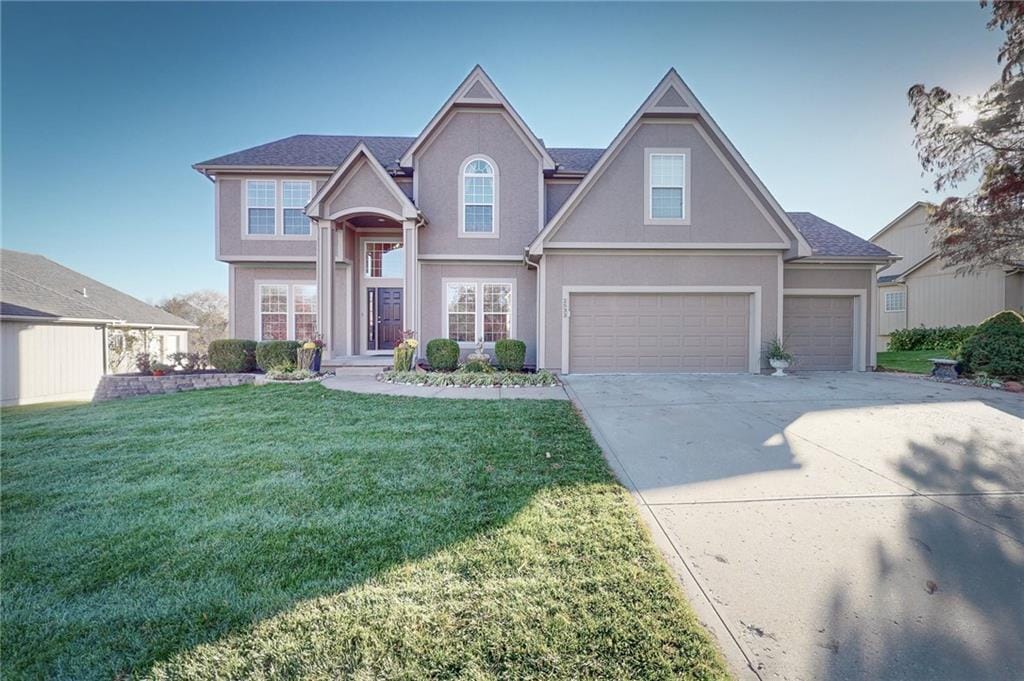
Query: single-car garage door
{"points": [[651, 332], [819, 331]]}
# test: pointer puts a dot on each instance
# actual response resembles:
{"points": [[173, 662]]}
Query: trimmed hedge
{"points": [[510, 354], [277, 354], [233, 355], [443, 354], [997, 347], [948, 338]]}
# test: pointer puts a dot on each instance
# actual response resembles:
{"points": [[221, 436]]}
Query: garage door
{"points": [[651, 332], [819, 331]]}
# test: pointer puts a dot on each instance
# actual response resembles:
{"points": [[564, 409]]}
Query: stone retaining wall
{"points": [[116, 386]]}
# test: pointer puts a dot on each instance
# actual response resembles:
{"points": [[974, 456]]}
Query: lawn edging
{"points": [[121, 386]]}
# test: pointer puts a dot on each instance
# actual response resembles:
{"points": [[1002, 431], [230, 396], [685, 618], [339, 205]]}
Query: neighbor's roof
{"points": [[34, 286], [328, 151], [827, 239]]}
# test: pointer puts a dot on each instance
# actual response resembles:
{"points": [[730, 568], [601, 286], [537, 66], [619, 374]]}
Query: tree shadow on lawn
{"points": [[284, 522], [949, 602]]}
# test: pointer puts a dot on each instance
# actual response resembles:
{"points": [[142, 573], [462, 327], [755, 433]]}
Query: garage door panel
{"points": [[652, 332], [820, 331]]}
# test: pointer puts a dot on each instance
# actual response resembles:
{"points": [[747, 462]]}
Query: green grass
{"points": [[912, 361], [295, 532]]}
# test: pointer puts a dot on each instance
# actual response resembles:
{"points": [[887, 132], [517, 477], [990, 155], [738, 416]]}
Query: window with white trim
{"points": [[667, 190], [261, 205], [479, 196], [295, 194], [478, 310], [895, 301], [286, 312]]}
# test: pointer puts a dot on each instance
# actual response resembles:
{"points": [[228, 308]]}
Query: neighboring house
{"points": [[662, 252], [61, 328], [919, 291]]}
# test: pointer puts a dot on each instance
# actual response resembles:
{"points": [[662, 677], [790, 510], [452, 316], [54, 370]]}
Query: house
{"points": [[62, 330], [919, 291], [661, 253]]}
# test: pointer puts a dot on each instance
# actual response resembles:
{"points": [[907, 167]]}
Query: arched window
{"points": [[479, 192]]}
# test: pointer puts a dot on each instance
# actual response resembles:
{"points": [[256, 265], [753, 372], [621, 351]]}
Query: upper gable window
{"points": [[295, 194], [261, 201], [667, 190], [479, 194]]}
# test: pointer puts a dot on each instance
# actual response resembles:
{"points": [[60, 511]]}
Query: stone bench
{"points": [[943, 368]]}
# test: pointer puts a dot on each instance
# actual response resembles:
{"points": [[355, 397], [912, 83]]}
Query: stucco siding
{"points": [[243, 292], [910, 237], [850, 278], [662, 269], [362, 188], [614, 208], [938, 297], [463, 134], [233, 243], [555, 194], [432, 298], [49, 362]]}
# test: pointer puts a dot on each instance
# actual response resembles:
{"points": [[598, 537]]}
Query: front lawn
{"points": [[293, 531], [911, 361]]}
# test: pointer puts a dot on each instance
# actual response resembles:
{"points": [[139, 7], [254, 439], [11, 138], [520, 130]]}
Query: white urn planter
{"points": [[779, 365]]}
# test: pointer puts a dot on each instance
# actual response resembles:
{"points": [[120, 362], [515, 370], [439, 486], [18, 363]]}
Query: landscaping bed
{"points": [[299, 532], [471, 379]]}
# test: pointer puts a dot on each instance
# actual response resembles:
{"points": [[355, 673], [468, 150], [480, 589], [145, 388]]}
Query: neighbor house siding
{"points": [[655, 269], [889, 321], [438, 167], [719, 210], [432, 298], [910, 238], [1015, 292], [938, 297], [49, 362]]}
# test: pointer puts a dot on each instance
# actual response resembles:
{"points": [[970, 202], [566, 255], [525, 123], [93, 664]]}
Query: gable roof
{"points": [[914, 206], [477, 89], [672, 97], [829, 240], [314, 208], [34, 286]]}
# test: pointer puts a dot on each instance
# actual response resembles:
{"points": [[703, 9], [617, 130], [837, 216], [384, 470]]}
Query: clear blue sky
{"points": [[106, 106]]}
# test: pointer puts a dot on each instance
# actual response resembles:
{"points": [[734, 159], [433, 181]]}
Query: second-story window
{"points": [[667, 173], [261, 201], [479, 198], [295, 194]]}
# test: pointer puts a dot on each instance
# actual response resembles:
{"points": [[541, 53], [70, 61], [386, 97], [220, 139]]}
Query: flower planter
{"points": [[779, 365], [158, 372], [314, 363]]}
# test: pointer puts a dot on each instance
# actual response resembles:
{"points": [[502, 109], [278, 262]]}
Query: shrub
{"points": [[947, 338], [144, 363], [443, 354], [469, 379], [189, 362], [997, 347], [477, 366], [510, 354], [277, 354], [289, 375], [233, 355], [162, 368]]}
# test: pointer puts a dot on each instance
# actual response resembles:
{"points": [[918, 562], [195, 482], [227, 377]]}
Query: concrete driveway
{"points": [[832, 525]]}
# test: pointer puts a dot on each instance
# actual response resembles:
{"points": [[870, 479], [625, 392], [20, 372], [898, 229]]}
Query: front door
{"points": [[384, 312]]}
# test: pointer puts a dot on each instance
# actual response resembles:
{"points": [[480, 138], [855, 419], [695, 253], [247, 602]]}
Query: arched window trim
{"points": [[493, 234]]}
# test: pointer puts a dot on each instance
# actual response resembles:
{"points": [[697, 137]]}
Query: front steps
{"points": [[357, 365]]}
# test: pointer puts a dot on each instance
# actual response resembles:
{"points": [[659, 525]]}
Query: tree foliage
{"points": [[206, 309], [984, 226]]}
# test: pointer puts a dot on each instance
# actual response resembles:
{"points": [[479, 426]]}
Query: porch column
{"points": [[409, 306], [325, 283]]}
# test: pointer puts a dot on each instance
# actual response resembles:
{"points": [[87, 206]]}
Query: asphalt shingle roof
{"points": [[34, 286], [825, 238]]}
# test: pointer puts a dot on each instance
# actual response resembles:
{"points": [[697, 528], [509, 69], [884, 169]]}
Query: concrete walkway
{"points": [[831, 526], [370, 385]]}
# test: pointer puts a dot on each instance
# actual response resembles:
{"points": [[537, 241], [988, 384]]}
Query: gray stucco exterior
{"points": [[568, 221]]}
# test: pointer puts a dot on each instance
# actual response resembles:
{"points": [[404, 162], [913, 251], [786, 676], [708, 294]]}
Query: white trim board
{"points": [[860, 316], [754, 353]]}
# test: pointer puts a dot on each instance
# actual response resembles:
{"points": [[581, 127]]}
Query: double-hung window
{"points": [[479, 310], [666, 189], [479, 193], [295, 194], [895, 301], [286, 312], [261, 202]]}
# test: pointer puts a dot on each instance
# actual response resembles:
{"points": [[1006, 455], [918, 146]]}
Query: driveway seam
{"points": [[926, 495], [624, 476], [824, 497]]}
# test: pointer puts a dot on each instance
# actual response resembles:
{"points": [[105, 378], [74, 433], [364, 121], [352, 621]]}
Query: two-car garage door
{"points": [[659, 332]]}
